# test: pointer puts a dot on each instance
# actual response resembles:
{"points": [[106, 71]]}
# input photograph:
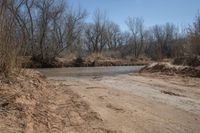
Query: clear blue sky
{"points": [[179, 12]]}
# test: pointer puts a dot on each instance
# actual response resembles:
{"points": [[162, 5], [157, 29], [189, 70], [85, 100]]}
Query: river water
{"points": [[84, 72]]}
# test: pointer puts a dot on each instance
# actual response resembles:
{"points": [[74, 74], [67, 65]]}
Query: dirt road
{"points": [[142, 103]]}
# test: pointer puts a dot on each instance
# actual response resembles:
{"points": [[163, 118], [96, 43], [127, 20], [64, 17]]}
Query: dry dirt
{"points": [[141, 103], [138, 103], [30, 104]]}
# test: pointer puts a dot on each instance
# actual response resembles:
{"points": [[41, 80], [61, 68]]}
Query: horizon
{"points": [[153, 12]]}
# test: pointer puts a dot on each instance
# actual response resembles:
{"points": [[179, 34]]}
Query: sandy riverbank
{"points": [[127, 103], [142, 102], [30, 104]]}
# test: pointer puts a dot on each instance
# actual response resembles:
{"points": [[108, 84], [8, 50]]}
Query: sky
{"points": [[179, 12]]}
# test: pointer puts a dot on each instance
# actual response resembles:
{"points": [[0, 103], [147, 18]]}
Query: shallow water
{"points": [[83, 72]]}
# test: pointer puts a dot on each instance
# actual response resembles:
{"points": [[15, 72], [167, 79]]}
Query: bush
{"points": [[193, 61]]}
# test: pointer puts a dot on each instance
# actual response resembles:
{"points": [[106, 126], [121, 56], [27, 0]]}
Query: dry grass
{"points": [[169, 69]]}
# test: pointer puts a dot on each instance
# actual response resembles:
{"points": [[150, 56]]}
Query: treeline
{"points": [[45, 29]]}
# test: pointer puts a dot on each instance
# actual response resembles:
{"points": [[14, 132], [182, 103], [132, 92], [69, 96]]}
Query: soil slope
{"points": [[31, 104]]}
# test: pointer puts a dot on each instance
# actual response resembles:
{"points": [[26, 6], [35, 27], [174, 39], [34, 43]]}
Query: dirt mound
{"points": [[169, 69], [193, 61], [31, 104]]}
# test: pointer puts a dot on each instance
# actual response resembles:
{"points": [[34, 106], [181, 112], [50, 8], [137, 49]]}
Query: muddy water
{"points": [[84, 72]]}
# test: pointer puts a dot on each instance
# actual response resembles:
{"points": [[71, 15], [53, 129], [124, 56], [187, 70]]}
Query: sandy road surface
{"points": [[142, 103]]}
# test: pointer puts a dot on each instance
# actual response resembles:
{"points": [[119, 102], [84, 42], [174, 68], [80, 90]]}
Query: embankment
{"points": [[88, 61], [31, 104]]}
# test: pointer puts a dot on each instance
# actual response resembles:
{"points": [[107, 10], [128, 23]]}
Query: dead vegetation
{"points": [[169, 69], [91, 60], [193, 61], [56, 30], [10, 45]]}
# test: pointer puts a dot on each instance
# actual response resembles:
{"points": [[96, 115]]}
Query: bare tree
{"points": [[136, 27], [194, 36], [96, 33], [114, 35], [164, 36], [10, 40], [74, 27], [48, 38], [48, 28]]}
